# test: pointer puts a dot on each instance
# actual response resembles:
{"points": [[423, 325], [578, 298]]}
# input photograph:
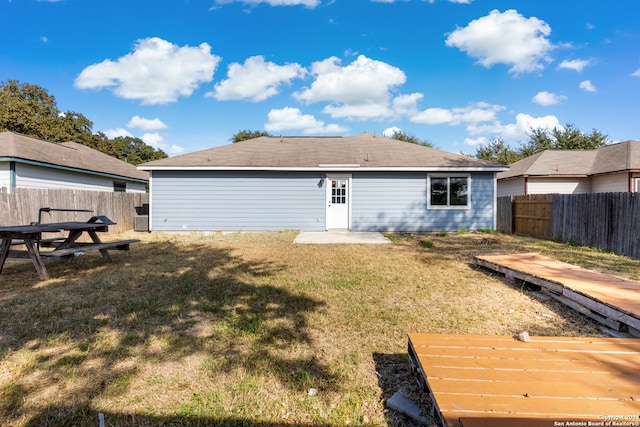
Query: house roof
{"points": [[65, 155], [614, 158], [364, 151]]}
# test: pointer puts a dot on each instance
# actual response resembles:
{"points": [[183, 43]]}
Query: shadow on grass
{"points": [[159, 303], [84, 416]]}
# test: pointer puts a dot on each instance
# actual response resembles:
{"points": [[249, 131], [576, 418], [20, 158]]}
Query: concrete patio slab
{"points": [[337, 237]]}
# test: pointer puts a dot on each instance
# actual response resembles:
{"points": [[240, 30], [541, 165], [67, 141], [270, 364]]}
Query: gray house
{"points": [[361, 183], [27, 162]]}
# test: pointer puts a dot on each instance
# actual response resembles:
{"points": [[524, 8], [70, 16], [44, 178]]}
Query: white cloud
{"points": [[115, 133], [255, 80], [525, 124], [360, 90], [474, 113], [546, 99], [587, 86], [288, 119], [477, 141], [369, 111], [156, 72], [146, 124], [156, 141], [433, 116], [505, 38], [307, 3], [519, 130], [406, 105], [574, 64], [636, 73], [389, 132], [44, 39]]}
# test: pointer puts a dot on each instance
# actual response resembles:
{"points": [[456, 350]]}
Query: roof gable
{"points": [[69, 155], [360, 151]]}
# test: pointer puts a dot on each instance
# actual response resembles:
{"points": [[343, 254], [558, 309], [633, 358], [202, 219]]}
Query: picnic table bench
{"points": [[64, 248]]}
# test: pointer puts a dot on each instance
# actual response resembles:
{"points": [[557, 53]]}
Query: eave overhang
{"points": [[326, 168], [71, 169]]}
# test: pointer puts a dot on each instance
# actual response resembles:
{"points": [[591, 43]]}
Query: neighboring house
{"points": [[27, 162], [363, 182], [612, 168]]}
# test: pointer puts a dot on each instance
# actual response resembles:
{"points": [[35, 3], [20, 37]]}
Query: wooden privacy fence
{"points": [[601, 220], [22, 206]]}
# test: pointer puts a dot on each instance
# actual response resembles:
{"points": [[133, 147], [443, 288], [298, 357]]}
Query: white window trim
{"points": [[449, 175]]}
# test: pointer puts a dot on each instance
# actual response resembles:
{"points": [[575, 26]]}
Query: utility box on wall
{"points": [[141, 223]]}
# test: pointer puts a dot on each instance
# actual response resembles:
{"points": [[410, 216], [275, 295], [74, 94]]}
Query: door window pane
{"points": [[339, 191]]}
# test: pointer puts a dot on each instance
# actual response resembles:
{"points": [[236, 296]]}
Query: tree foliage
{"points": [[401, 136], [541, 139], [30, 110], [497, 151], [243, 135]]}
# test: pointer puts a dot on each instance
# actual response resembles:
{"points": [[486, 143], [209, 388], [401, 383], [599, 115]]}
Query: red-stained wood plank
{"points": [[609, 296], [484, 379]]}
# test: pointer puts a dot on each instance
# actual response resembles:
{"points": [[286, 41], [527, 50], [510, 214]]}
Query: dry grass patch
{"points": [[235, 329]]}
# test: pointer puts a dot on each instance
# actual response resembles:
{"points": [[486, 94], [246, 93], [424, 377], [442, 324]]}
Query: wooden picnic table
{"points": [[64, 248]]}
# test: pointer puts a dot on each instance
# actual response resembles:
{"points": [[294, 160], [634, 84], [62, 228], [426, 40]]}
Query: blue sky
{"points": [[185, 75]]}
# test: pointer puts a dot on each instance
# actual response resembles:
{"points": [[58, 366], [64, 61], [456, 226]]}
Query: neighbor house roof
{"points": [[364, 151], [614, 158], [65, 155]]}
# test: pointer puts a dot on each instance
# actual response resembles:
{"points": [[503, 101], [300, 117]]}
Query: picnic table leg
{"points": [[105, 253], [37, 261], [4, 252]]}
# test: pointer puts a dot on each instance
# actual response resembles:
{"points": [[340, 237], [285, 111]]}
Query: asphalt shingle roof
{"points": [[66, 154], [620, 157], [365, 150]]}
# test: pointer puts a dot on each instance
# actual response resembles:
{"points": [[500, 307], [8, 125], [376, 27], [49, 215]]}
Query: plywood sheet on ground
{"points": [[477, 380], [623, 295]]}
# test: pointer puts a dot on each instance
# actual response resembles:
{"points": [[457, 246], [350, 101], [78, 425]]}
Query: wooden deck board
{"points": [[479, 380], [608, 299]]}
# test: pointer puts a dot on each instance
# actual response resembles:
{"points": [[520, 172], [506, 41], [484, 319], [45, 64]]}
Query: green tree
{"points": [[243, 135], [541, 139], [566, 138], [126, 148], [497, 151], [30, 110], [27, 109], [401, 136]]}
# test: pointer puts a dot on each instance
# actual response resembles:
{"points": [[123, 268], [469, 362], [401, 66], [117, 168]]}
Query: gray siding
{"points": [[236, 201], [398, 202]]}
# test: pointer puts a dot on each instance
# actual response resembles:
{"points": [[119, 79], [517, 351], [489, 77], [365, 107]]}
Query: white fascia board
{"points": [[325, 169]]}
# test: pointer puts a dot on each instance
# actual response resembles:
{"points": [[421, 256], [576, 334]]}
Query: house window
{"points": [[119, 186], [448, 191]]}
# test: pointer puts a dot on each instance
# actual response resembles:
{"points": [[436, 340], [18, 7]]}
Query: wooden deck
{"points": [[482, 381], [610, 300]]}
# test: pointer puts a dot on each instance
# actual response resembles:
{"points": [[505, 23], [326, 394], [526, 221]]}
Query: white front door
{"points": [[338, 198]]}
